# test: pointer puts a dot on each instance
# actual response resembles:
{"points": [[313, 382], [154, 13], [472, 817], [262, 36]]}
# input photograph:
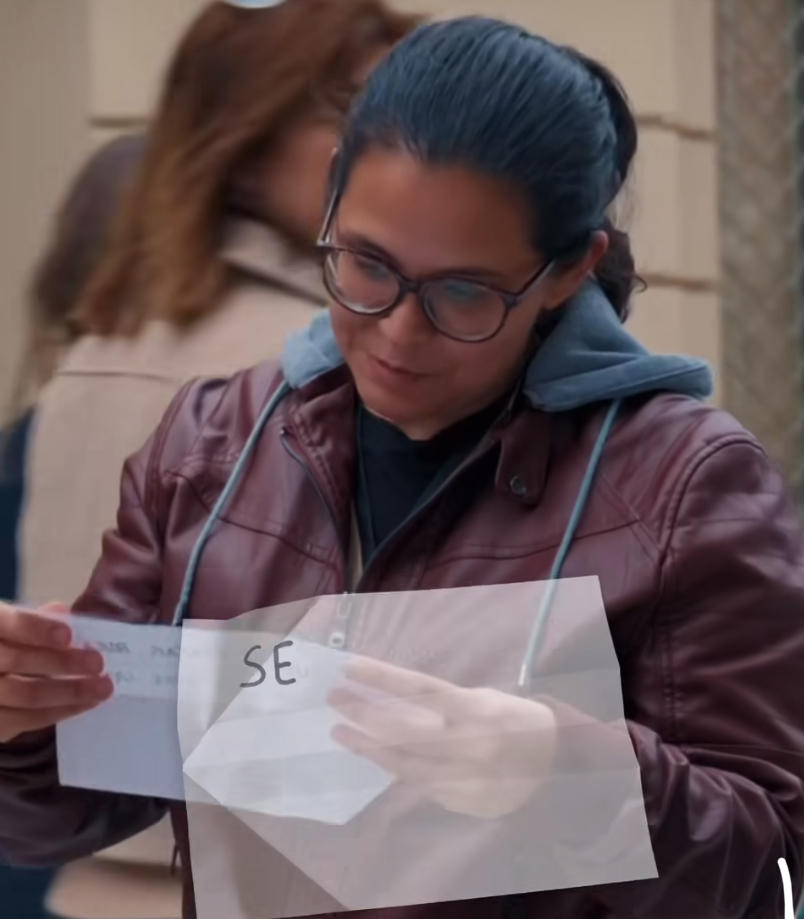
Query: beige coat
{"points": [[104, 401]]}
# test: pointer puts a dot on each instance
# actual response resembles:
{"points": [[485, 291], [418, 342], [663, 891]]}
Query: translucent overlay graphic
{"points": [[377, 750]]}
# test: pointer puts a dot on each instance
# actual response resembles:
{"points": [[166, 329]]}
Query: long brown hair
{"points": [[236, 78], [81, 231]]}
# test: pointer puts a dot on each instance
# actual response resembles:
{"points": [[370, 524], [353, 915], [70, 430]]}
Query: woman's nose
{"points": [[407, 322]]}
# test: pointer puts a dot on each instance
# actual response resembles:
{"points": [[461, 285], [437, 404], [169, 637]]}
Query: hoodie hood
{"points": [[588, 357]]}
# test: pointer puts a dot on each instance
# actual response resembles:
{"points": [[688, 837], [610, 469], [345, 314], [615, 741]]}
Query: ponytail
{"points": [[616, 271]]}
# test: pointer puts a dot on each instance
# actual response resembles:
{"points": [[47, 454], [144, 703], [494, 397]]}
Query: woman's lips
{"points": [[397, 370]]}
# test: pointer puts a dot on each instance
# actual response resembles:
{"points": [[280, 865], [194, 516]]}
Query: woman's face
{"points": [[436, 220]]}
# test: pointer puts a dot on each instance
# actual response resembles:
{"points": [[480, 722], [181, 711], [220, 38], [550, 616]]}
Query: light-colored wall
{"points": [[663, 50], [130, 43], [44, 107]]}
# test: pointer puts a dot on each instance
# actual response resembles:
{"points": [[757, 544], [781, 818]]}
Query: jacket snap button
{"points": [[518, 487]]}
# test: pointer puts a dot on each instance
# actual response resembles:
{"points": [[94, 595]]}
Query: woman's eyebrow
{"points": [[368, 246]]}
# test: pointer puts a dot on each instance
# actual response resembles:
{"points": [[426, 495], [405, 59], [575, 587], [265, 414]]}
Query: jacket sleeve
{"points": [[723, 773], [42, 822]]}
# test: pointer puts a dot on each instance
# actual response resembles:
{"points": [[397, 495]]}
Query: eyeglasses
{"points": [[460, 308]]}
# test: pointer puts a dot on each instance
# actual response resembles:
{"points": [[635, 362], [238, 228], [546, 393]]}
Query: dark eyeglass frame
{"points": [[510, 299]]}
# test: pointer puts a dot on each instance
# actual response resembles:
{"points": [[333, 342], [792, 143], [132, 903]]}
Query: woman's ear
{"points": [[568, 281]]}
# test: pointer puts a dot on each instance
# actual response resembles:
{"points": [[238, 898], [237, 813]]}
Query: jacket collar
{"points": [[321, 414], [257, 249]]}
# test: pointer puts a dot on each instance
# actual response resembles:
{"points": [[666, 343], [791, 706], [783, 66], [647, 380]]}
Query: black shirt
{"points": [[396, 474]]}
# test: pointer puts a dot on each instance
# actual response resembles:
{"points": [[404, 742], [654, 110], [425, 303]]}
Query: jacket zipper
{"points": [[486, 445], [480, 452], [470, 461], [510, 904]]}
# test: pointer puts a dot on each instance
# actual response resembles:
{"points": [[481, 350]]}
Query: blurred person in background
{"points": [[80, 233], [213, 261], [211, 264]]}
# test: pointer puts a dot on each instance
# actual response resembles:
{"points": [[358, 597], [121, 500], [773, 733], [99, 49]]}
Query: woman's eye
{"points": [[372, 269], [463, 293]]}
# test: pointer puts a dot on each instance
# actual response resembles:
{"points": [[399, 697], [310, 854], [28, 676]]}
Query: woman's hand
{"points": [[479, 752], [43, 680]]}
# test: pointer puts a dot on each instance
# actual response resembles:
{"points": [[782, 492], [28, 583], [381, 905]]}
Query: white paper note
{"points": [[128, 744], [142, 660]]}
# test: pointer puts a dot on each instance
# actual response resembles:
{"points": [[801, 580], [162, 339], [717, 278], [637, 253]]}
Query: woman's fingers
{"points": [[406, 765], [455, 784], [25, 693], [416, 688], [403, 766], [56, 607], [38, 644], [43, 679], [397, 681], [35, 629], [30, 661], [376, 730], [393, 722]]}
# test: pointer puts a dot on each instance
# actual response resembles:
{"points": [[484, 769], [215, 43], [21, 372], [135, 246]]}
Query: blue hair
{"points": [[491, 96]]}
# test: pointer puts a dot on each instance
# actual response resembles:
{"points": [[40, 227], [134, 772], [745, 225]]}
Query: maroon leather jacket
{"points": [[689, 529]]}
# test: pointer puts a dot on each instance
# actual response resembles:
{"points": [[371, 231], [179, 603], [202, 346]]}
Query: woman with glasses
{"points": [[470, 412]]}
